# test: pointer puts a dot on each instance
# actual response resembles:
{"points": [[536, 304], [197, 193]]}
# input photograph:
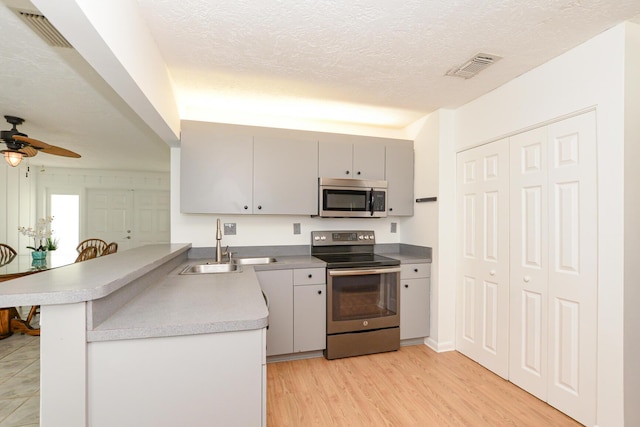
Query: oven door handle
{"points": [[362, 272]]}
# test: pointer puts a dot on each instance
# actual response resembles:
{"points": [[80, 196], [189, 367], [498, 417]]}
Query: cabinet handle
{"points": [[492, 272], [390, 209], [310, 276], [359, 172], [259, 207], [526, 279], [415, 269], [319, 292], [406, 286], [346, 172], [246, 207]]}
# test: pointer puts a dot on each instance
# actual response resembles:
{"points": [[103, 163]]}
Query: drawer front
{"points": [[415, 271], [309, 276]]}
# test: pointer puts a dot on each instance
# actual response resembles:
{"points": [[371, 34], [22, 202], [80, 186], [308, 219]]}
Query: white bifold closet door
{"points": [[553, 277], [482, 314]]}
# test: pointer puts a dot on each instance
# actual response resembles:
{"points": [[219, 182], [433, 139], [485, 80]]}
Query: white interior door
{"points": [[529, 262], [573, 267], [151, 217], [553, 265], [482, 315], [130, 218], [109, 214]]}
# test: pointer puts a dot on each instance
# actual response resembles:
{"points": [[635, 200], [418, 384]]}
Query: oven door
{"points": [[362, 299]]}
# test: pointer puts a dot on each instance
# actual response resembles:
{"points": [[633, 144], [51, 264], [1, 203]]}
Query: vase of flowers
{"points": [[42, 238]]}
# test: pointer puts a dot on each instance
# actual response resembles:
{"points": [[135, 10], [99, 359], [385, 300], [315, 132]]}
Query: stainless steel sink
{"points": [[254, 261], [209, 268]]}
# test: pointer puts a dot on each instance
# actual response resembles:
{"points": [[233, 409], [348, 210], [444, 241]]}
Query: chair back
{"points": [[7, 253], [99, 244], [111, 248], [87, 253]]}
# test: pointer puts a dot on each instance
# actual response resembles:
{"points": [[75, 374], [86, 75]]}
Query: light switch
{"points": [[229, 228]]}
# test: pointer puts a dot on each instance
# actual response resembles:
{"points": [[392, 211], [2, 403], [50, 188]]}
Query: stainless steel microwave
{"points": [[352, 198]]}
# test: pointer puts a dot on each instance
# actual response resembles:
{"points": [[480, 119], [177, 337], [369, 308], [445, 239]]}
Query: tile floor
{"points": [[20, 381]]}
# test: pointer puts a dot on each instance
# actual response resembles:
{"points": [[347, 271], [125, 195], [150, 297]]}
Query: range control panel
{"points": [[336, 238]]}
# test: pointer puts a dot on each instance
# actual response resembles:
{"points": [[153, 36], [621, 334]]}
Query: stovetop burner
{"points": [[348, 249]]}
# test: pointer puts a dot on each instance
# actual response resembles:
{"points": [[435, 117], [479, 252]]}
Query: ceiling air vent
{"points": [[473, 66], [43, 28]]}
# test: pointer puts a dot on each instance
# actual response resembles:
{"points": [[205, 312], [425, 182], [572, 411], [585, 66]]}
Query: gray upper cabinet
{"points": [[399, 176], [285, 176], [358, 160], [216, 169]]}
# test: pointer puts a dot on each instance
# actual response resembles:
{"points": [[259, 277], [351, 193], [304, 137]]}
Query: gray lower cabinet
{"points": [[399, 176], [297, 309], [277, 285], [415, 292], [309, 309]]}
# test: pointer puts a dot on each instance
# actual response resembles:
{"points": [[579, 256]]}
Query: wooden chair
{"points": [[99, 244], [111, 248], [7, 253], [87, 253]]}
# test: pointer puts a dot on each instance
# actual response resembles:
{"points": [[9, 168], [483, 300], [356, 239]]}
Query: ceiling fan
{"points": [[19, 145]]}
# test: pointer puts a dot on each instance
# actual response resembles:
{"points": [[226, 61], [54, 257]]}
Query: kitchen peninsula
{"points": [[100, 367]]}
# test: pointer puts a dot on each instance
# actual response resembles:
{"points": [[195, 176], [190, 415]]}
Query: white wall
{"points": [[261, 230], [17, 204], [435, 177], [589, 76]]}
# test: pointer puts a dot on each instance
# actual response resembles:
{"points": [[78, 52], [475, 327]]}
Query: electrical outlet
{"points": [[229, 228], [394, 227], [296, 228]]}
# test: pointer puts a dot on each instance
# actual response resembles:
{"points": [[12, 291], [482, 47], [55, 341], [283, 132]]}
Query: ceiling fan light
{"points": [[13, 157]]}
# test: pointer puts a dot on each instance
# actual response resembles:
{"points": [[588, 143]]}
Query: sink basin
{"points": [[254, 261], [209, 268]]}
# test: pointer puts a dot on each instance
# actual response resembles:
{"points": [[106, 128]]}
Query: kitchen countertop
{"points": [[173, 305]]}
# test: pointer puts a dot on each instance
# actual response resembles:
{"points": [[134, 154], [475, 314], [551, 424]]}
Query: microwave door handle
{"points": [[371, 200]]}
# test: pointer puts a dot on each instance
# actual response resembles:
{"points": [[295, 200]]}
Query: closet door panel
{"points": [[482, 186], [529, 269], [573, 261]]}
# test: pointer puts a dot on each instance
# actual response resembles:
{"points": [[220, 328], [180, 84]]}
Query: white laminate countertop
{"points": [[87, 280]]}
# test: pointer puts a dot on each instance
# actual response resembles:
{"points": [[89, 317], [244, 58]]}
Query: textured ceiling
{"points": [[380, 53], [373, 63]]}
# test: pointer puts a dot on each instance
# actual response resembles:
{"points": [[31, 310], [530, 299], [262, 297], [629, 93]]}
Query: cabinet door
{"points": [[335, 160], [216, 169], [277, 285], [309, 317], [482, 306], [414, 308], [368, 161], [399, 176], [285, 177]]}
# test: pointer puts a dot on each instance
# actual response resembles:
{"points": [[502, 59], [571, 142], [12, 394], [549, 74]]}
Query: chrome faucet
{"points": [[219, 252]]}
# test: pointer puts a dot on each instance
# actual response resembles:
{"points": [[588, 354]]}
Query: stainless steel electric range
{"points": [[363, 294]]}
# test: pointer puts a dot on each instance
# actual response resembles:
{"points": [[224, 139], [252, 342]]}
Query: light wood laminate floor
{"points": [[414, 386]]}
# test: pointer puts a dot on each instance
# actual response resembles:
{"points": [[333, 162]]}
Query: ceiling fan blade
{"points": [[33, 142], [28, 151], [59, 151]]}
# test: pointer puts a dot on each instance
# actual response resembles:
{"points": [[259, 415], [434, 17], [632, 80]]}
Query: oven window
{"points": [[364, 297], [345, 200]]}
